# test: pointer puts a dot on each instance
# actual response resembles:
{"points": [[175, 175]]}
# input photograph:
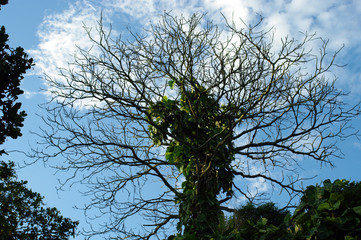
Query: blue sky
{"points": [[50, 31]]}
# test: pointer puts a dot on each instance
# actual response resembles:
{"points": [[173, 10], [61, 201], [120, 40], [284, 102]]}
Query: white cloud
{"points": [[336, 20], [29, 94], [59, 33]]}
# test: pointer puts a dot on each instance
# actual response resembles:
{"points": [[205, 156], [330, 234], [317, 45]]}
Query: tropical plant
{"points": [[331, 211]]}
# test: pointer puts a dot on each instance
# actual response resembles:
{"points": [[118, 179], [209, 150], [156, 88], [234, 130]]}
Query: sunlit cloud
{"points": [[61, 33], [29, 94]]}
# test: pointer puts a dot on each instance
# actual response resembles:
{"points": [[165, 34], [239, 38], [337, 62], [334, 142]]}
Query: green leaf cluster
{"points": [[22, 212], [331, 211], [198, 134], [252, 222], [13, 64]]}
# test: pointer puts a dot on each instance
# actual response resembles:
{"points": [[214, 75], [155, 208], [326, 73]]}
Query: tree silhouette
{"points": [[23, 215], [13, 64]]}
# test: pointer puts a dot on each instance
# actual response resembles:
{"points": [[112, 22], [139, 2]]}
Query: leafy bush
{"points": [[331, 211], [255, 223]]}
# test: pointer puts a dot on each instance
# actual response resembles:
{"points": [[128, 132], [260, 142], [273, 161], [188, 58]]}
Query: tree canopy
{"points": [[13, 64], [194, 109], [252, 222], [22, 212]]}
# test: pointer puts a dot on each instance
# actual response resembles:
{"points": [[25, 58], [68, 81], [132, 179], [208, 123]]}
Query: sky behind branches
{"points": [[51, 31]]}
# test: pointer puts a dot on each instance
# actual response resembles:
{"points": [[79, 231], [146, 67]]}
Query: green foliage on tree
{"points": [[252, 222], [250, 219], [13, 64], [250, 212], [22, 212], [203, 158]]}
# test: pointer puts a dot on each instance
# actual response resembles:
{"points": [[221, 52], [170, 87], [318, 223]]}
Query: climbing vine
{"points": [[198, 134]]}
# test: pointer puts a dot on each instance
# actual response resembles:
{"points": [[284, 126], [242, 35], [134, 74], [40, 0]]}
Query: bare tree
{"points": [[185, 108]]}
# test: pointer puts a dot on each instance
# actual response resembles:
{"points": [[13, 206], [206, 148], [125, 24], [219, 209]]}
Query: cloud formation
{"points": [[60, 34]]}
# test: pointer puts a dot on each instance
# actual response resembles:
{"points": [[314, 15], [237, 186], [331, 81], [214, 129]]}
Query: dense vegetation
{"points": [[331, 211]]}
